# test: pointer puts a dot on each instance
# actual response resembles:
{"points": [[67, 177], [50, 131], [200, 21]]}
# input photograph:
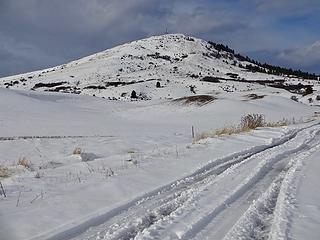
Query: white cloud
{"points": [[285, 7], [307, 56]]}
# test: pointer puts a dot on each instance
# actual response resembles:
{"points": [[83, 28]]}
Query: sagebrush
{"points": [[252, 121], [4, 172], [77, 151], [24, 162]]}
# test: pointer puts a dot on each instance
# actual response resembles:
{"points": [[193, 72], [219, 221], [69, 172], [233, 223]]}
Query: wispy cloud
{"points": [[306, 57]]}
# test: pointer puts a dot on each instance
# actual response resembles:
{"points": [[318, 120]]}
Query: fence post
{"points": [[192, 131], [4, 193]]}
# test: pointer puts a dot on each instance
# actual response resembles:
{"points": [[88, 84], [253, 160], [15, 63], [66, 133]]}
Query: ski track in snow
{"points": [[175, 211]]}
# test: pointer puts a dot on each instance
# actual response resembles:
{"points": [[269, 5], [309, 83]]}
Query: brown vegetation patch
{"points": [[252, 121], [253, 96], [4, 172], [24, 162], [77, 151], [199, 100]]}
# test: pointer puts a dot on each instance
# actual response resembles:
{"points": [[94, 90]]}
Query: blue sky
{"points": [[35, 34]]}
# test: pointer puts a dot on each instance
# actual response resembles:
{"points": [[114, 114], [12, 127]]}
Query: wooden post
{"points": [[177, 153], [18, 200], [4, 193], [192, 131]]}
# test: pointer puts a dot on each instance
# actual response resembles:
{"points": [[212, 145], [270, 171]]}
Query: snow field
{"points": [[108, 167]]}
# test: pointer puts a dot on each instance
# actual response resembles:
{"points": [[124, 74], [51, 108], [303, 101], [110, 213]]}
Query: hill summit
{"points": [[140, 65]]}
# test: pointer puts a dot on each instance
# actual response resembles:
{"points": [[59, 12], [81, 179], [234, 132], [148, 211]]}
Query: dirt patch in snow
{"points": [[199, 100], [253, 96]]}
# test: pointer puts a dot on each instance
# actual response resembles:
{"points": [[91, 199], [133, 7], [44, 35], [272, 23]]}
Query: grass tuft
{"points": [[24, 162], [252, 121], [4, 172], [77, 151]]}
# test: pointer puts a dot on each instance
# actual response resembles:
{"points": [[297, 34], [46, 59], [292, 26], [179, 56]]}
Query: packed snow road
{"points": [[243, 196]]}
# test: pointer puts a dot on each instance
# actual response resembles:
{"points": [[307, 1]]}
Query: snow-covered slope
{"points": [[129, 149], [175, 61]]}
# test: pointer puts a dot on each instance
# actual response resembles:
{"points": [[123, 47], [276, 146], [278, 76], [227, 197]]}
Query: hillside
{"points": [[180, 64]]}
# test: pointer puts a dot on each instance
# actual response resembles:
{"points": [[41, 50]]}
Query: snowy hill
{"points": [[175, 61]]}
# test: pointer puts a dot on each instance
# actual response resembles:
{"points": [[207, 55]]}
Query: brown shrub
{"points": [[252, 121], [24, 162], [77, 151], [4, 172]]}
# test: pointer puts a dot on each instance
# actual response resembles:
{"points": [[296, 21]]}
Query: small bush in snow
{"points": [[192, 88], [318, 98], [24, 162], [131, 151], [252, 121], [4, 172], [77, 151], [134, 94], [143, 96], [294, 98], [37, 175], [308, 90]]}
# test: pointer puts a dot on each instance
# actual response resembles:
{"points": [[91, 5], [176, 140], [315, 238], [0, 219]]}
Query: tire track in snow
{"points": [[264, 217], [167, 200], [178, 200], [249, 183]]}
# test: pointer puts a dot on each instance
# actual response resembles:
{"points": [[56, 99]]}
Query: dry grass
{"points": [[199, 100], [203, 135], [24, 162], [248, 123], [282, 123], [218, 132], [77, 151], [4, 172], [227, 131]]}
